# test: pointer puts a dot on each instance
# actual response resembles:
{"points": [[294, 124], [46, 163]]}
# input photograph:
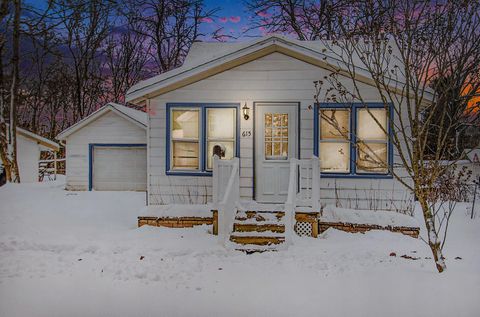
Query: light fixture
{"points": [[246, 111]]}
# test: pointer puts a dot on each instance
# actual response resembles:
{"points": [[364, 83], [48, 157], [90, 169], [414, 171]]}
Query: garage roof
{"points": [[44, 142], [137, 117]]}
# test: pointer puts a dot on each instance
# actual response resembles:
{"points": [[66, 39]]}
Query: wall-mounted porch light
{"points": [[246, 111]]}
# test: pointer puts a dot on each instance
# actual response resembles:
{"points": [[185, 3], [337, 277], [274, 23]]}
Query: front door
{"points": [[275, 144]]}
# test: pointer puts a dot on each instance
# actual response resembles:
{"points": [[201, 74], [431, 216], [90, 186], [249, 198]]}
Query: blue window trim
{"points": [[203, 141], [353, 126], [91, 149]]}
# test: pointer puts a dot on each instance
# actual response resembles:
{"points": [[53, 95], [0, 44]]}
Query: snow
{"points": [[379, 217], [80, 254], [177, 210]]}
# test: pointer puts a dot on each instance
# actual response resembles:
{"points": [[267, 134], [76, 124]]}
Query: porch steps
{"points": [[258, 231]]}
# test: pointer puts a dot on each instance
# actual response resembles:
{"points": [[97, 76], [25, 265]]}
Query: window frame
{"points": [[202, 107], [353, 138]]}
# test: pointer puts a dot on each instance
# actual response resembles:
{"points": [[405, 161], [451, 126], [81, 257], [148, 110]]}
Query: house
{"points": [[107, 150], [29, 147], [255, 98], [252, 104]]}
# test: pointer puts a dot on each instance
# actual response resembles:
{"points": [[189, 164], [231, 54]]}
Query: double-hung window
{"points": [[352, 139], [194, 130]]}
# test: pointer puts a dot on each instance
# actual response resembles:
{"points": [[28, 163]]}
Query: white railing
{"points": [[226, 194], [303, 190]]}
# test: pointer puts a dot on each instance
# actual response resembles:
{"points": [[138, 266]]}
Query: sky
{"points": [[232, 16]]}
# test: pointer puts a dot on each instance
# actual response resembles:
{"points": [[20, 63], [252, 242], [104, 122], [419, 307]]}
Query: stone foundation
{"points": [[174, 222], [362, 228]]}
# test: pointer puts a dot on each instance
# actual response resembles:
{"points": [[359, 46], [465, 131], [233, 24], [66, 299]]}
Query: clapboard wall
{"points": [[272, 78]]}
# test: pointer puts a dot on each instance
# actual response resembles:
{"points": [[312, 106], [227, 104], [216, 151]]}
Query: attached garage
{"points": [[107, 150]]}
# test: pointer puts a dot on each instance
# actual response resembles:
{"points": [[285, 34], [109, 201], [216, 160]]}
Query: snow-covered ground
{"points": [[80, 254]]}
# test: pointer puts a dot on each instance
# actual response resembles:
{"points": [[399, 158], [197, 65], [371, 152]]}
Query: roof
{"points": [[207, 59], [137, 117], [47, 143]]}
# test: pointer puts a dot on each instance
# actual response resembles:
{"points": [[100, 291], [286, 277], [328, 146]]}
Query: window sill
{"points": [[187, 173], [359, 176]]}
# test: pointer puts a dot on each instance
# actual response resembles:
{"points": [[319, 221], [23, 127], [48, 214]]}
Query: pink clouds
{"points": [[223, 20], [263, 14], [234, 19], [206, 20]]}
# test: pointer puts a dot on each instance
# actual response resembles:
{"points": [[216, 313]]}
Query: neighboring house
{"points": [[29, 146], [255, 100], [107, 150]]}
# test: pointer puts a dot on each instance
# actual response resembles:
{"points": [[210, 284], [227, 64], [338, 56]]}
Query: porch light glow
{"points": [[246, 111]]}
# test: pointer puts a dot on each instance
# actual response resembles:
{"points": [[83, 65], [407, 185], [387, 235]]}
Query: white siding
{"points": [[28, 153], [108, 129], [274, 78]]}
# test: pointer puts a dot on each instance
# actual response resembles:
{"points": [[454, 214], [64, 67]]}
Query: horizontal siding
{"points": [[109, 128], [276, 78]]}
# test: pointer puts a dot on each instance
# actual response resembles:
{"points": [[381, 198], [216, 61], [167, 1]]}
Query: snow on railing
{"points": [[303, 190], [226, 194]]}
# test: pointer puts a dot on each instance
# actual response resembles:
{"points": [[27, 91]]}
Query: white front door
{"points": [[275, 144]]}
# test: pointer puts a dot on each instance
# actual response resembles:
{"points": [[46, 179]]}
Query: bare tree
{"points": [[126, 58], [171, 26], [85, 25], [8, 139], [305, 19], [419, 56]]}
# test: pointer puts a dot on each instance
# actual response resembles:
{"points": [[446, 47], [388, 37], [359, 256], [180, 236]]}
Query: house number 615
{"points": [[246, 133]]}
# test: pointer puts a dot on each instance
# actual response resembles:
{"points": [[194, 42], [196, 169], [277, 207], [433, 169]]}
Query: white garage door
{"points": [[120, 168]]}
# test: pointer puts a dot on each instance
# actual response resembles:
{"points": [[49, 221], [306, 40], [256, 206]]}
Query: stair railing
{"points": [[303, 190], [226, 194]]}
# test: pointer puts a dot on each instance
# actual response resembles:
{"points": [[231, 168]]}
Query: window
{"points": [[276, 136], [352, 139], [193, 133]]}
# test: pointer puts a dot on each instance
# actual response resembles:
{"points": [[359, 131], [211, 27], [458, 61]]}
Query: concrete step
{"points": [[260, 227]]}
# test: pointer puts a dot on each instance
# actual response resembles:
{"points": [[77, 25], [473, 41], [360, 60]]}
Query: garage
{"points": [[106, 151], [119, 167]]}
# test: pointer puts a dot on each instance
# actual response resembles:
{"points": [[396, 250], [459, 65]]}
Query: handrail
{"points": [[226, 205], [290, 204], [295, 188]]}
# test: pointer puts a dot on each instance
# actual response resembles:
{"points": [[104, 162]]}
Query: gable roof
{"points": [[47, 143], [207, 59], [137, 117]]}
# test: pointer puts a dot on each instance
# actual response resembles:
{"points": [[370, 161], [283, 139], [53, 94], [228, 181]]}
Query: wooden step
{"points": [[254, 240], [260, 215], [248, 227]]}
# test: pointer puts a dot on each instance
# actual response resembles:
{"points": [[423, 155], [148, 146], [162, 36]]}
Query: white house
{"points": [[29, 146], [107, 150], [202, 104]]}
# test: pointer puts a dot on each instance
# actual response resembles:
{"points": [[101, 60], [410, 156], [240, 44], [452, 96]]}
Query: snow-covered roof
{"points": [[207, 59], [46, 143], [138, 117]]}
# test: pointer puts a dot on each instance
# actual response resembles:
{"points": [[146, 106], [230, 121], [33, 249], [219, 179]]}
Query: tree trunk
{"points": [[433, 240], [12, 131]]}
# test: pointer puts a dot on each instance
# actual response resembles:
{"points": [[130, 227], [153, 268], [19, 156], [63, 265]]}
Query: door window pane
{"points": [[335, 157], [372, 157], [276, 126]]}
